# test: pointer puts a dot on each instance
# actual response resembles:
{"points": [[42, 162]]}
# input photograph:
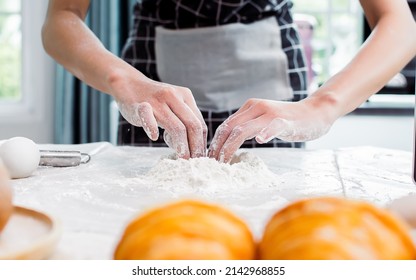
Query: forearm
{"points": [[72, 44], [388, 49], [142, 101]]}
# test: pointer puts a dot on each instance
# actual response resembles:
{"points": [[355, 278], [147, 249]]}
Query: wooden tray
{"points": [[29, 235]]}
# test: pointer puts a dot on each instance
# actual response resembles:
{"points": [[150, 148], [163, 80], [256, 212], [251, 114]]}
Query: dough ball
{"points": [[6, 206], [406, 208], [21, 156], [335, 228], [186, 230]]}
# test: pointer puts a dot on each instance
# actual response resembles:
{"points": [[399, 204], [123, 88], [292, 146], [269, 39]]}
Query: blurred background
{"points": [[40, 100]]}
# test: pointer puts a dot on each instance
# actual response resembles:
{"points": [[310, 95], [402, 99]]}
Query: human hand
{"points": [[150, 104], [265, 120]]}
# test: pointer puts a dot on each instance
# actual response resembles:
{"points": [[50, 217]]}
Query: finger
{"points": [[176, 130], [276, 128], [292, 131], [247, 105], [238, 135], [194, 108], [220, 136], [193, 127], [148, 120], [141, 115], [168, 139], [224, 130]]}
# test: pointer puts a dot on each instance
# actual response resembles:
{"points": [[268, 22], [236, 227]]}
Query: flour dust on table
{"points": [[245, 171]]}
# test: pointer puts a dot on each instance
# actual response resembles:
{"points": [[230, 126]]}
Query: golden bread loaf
{"points": [[335, 228], [6, 206], [186, 230]]}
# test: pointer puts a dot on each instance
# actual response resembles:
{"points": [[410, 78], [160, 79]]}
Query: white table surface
{"points": [[95, 201]]}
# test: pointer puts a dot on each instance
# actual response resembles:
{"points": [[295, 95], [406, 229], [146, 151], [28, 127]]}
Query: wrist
{"points": [[325, 104], [122, 80], [115, 79]]}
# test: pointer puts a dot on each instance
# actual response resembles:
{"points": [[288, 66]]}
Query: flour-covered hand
{"points": [[151, 104], [265, 120]]}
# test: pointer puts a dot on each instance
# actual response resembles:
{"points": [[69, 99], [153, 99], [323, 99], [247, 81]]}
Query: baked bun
{"points": [[6, 206], [335, 228], [186, 230]]}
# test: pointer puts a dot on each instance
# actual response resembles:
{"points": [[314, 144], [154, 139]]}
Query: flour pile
{"points": [[245, 171]]}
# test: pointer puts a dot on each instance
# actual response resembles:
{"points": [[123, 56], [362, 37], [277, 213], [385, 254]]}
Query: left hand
{"points": [[265, 120]]}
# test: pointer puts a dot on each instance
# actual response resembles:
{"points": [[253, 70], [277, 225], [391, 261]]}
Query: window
{"points": [[10, 50], [26, 72], [336, 34]]}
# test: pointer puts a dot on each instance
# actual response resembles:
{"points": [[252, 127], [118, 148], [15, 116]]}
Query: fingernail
{"points": [[148, 132], [260, 139]]}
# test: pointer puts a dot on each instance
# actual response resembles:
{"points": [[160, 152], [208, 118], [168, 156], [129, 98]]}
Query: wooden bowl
{"points": [[29, 235]]}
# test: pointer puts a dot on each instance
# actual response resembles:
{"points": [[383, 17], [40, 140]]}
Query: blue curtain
{"points": [[82, 114]]}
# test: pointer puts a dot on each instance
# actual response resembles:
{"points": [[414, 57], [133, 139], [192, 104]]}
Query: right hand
{"points": [[264, 120], [149, 104]]}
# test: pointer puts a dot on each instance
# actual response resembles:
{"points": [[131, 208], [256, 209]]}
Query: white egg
{"points": [[21, 156]]}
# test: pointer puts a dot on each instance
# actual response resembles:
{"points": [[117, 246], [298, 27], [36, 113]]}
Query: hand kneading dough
{"points": [[186, 230], [21, 156], [6, 206], [335, 228]]}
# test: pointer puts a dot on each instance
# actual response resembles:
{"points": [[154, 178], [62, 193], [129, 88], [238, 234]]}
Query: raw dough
{"points": [[21, 156]]}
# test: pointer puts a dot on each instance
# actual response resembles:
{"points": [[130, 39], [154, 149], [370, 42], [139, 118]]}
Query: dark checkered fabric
{"points": [[178, 14]]}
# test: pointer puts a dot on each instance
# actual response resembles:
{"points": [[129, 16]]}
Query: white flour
{"points": [[207, 175]]}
